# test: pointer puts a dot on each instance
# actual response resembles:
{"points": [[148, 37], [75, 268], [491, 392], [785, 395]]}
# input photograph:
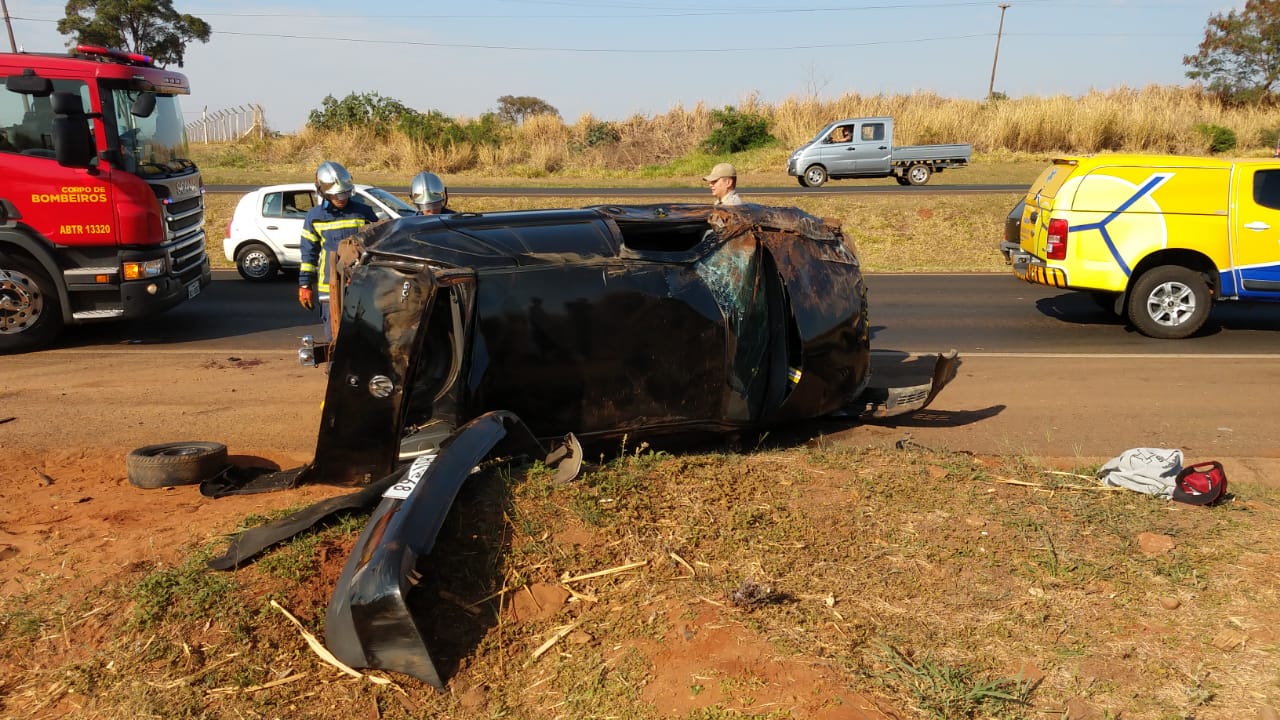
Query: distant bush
{"points": [[368, 110], [1221, 139], [738, 131]]}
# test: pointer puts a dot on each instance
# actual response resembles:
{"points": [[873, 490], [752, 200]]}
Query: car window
{"points": [[379, 212], [873, 131], [298, 202], [1266, 188], [392, 202], [271, 204]]}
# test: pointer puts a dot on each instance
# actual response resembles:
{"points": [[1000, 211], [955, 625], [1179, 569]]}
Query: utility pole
{"points": [[992, 87], [8, 25]]}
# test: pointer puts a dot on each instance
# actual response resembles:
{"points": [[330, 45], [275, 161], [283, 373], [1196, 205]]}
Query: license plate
{"points": [[193, 289], [402, 489]]}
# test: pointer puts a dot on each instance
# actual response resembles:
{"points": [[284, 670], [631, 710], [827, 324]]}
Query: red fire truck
{"points": [[101, 212]]}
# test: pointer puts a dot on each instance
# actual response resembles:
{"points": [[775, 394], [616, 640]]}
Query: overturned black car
{"points": [[465, 336]]}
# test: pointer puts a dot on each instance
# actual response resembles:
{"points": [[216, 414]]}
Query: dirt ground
{"points": [[68, 418]]}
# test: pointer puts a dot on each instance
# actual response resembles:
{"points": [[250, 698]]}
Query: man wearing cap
{"points": [[724, 184]]}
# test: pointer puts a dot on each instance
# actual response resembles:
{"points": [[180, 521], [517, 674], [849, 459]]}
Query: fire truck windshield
{"points": [[155, 145]]}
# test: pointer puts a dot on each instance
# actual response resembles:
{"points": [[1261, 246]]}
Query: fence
{"points": [[231, 124]]}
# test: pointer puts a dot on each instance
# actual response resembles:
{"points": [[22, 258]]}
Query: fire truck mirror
{"points": [[28, 83], [144, 105]]}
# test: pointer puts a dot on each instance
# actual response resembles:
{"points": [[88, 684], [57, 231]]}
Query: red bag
{"points": [[1201, 484]]}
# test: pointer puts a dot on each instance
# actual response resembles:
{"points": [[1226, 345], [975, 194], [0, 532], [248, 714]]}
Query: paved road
{"points": [[1045, 373], [915, 313]]}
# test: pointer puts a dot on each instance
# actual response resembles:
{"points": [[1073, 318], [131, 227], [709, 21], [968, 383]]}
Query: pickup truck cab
{"points": [[1156, 239], [863, 148]]}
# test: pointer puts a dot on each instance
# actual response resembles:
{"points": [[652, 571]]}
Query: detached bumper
{"points": [[369, 623]]}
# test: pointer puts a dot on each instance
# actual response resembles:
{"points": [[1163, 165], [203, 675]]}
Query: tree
{"points": [[1239, 58], [738, 131], [150, 27], [515, 109], [370, 110]]}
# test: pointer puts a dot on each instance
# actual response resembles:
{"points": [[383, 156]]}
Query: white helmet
{"points": [[332, 179], [428, 192]]}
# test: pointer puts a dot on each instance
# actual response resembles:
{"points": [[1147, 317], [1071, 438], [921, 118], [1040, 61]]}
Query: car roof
{"points": [[299, 186]]}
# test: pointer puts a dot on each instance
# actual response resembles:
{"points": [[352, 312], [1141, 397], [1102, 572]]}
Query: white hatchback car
{"points": [[265, 232]]}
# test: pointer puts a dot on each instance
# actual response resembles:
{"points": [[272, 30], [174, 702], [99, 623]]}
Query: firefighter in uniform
{"points": [[326, 224], [428, 193]]}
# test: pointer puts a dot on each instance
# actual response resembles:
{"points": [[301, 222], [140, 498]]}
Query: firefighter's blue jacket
{"points": [[325, 226]]}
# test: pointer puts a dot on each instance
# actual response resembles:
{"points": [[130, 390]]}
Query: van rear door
{"points": [[1255, 247]]}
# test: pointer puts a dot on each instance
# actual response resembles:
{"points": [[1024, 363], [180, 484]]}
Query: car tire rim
{"points": [[918, 174], [814, 177], [21, 302], [1171, 304], [255, 264]]}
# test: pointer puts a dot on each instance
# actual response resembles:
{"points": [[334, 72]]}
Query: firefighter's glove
{"points": [[306, 297]]}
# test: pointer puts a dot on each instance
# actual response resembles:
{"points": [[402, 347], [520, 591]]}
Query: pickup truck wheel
{"points": [[814, 176], [30, 313], [1105, 300], [256, 263], [802, 182], [180, 463], [1169, 302], [901, 180], [919, 174]]}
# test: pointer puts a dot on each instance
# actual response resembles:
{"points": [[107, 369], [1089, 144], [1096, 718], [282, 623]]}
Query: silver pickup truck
{"points": [[863, 148]]}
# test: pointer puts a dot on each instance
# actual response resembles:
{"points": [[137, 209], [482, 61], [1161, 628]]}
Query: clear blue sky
{"points": [[616, 58]]}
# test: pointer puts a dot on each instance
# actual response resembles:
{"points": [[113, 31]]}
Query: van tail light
{"points": [[1056, 246]]}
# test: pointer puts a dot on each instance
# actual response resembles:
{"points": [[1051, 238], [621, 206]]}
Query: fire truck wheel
{"points": [[30, 313], [256, 263], [179, 463], [1169, 302]]}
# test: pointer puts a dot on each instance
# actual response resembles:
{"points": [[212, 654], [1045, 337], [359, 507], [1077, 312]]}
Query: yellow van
{"points": [[1154, 238]]}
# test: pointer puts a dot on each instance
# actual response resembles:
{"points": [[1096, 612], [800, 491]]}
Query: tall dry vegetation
{"points": [[1154, 119]]}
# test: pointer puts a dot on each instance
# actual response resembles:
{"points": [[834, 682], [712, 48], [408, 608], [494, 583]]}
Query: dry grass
{"points": [[933, 585], [893, 233], [1156, 119]]}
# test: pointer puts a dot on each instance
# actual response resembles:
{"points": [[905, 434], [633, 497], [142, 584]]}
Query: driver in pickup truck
{"points": [[326, 225], [841, 134]]}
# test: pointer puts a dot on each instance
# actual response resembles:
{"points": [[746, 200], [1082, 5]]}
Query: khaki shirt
{"points": [[731, 198]]}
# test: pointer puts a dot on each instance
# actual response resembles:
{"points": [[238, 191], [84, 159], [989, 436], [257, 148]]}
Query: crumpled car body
{"points": [[457, 330]]}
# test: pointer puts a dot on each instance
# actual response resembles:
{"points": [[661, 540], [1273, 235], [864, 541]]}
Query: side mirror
{"points": [[144, 105], [72, 141], [28, 83]]}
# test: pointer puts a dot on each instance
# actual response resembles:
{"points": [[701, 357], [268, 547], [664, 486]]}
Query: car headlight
{"points": [[140, 270]]}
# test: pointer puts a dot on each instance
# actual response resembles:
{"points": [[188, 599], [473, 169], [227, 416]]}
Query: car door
{"points": [[839, 152], [870, 149], [1256, 234], [281, 222]]}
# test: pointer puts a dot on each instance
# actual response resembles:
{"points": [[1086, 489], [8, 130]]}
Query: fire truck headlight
{"points": [[140, 270]]}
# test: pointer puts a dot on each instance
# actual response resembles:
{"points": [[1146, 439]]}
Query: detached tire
{"points": [[181, 463]]}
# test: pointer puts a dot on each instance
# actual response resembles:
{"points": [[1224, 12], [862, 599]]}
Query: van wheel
{"points": [[30, 313], [1169, 302], [919, 174], [256, 263], [180, 463], [814, 176]]}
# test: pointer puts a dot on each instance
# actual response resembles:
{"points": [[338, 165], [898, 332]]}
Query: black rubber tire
{"points": [[256, 263], [37, 315], [919, 174], [901, 180], [1169, 302], [179, 463], [800, 178], [814, 176]]}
